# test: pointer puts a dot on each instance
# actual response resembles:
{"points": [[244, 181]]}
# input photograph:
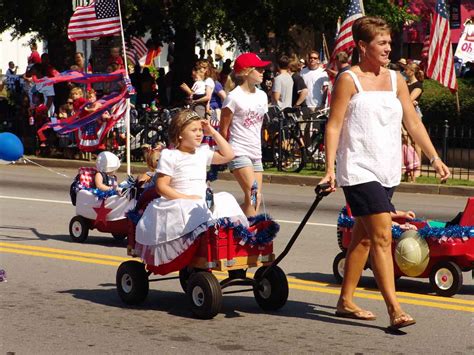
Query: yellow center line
{"points": [[62, 251], [59, 256], [296, 284]]}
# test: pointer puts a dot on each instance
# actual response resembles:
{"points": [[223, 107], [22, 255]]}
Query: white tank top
{"points": [[370, 141]]}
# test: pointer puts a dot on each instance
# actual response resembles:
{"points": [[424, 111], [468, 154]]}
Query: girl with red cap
{"points": [[241, 123]]}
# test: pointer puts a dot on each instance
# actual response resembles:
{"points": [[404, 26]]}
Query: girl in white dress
{"points": [[171, 223]]}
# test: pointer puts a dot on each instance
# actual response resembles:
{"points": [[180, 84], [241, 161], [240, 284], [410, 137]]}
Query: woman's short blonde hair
{"points": [[367, 27], [179, 123]]}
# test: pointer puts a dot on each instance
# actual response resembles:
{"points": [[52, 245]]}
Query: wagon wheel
{"points": [[184, 275], [338, 266], [271, 291], [79, 229], [446, 278], [205, 295], [132, 282]]}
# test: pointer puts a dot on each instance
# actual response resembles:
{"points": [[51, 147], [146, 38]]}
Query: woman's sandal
{"points": [[400, 321], [359, 314]]}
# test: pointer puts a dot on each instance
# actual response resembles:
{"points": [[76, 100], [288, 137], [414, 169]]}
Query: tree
{"points": [[179, 21], [47, 17]]}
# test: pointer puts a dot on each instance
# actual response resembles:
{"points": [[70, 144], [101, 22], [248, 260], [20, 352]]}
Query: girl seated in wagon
{"points": [[169, 225]]}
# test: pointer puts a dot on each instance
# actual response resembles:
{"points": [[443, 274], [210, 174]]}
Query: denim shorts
{"points": [[244, 161]]}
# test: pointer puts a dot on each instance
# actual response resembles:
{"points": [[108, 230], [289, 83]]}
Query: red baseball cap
{"points": [[249, 60]]}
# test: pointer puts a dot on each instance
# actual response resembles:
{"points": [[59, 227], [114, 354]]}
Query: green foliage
{"points": [[439, 104]]}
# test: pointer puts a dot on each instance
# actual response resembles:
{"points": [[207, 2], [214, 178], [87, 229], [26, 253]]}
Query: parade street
{"points": [[60, 296]]}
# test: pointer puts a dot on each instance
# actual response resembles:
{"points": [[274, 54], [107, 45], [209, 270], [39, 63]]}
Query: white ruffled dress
{"points": [[168, 227]]}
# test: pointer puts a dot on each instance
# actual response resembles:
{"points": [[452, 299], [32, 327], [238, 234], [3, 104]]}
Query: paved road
{"points": [[61, 298]]}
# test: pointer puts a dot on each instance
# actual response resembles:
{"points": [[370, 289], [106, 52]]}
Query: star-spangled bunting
{"points": [[344, 40], [99, 19], [440, 53]]}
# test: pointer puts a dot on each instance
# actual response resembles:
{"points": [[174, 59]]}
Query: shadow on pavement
{"points": [[176, 304], [34, 234]]}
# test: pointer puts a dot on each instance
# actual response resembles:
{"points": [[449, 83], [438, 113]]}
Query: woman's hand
{"points": [[194, 197], [441, 169], [329, 178], [410, 214]]}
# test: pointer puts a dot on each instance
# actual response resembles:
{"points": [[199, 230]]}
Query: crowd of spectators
{"points": [[303, 83]]}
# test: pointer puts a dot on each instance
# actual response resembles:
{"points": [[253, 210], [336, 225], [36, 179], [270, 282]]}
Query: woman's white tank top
{"points": [[370, 141]]}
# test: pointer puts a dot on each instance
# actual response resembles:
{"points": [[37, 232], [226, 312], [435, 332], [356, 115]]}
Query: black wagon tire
{"points": [[204, 294], [78, 229], [119, 236], [271, 291], [338, 266], [184, 274], [446, 278], [132, 282]]}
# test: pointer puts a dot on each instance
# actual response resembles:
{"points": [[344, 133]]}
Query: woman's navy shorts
{"points": [[369, 198]]}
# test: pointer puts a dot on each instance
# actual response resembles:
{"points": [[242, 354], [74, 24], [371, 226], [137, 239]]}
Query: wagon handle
{"points": [[320, 193]]}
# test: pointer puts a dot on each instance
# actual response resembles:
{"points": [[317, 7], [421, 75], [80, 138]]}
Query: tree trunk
{"points": [[183, 63]]}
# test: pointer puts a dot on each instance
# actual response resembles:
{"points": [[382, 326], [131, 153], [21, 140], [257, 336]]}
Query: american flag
{"points": [[99, 19], [137, 49], [426, 47], [344, 40], [440, 54]]}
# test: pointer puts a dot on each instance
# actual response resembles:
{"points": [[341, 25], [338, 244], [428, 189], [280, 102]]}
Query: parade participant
{"points": [[168, 225], [151, 156], [367, 108], [241, 123], [107, 164]]}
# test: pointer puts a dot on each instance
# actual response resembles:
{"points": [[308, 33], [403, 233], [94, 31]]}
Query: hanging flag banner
{"points": [[465, 48]]}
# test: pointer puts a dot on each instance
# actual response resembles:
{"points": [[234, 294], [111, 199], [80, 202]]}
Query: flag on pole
{"points": [[99, 19], [440, 53], [137, 49], [344, 40]]}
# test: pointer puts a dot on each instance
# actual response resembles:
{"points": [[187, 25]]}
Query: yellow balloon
{"points": [[412, 254]]}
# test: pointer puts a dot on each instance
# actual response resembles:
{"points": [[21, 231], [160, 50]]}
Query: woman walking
{"points": [[363, 135]]}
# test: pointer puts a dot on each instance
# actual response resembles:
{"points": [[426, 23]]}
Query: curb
{"points": [[463, 191]]}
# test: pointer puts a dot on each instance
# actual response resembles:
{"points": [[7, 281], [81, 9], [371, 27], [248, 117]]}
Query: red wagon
{"points": [[219, 249], [449, 254]]}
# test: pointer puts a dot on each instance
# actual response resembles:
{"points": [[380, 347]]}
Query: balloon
{"points": [[11, 148], [412, 254]]}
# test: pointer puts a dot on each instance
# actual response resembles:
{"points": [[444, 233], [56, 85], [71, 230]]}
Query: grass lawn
{"points": [[419, 180]]}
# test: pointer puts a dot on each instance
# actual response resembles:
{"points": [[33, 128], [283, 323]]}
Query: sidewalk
{"points": [[464, 191]]}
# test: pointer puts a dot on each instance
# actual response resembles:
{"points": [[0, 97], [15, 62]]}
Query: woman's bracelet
{"points": [[433, 159]]}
